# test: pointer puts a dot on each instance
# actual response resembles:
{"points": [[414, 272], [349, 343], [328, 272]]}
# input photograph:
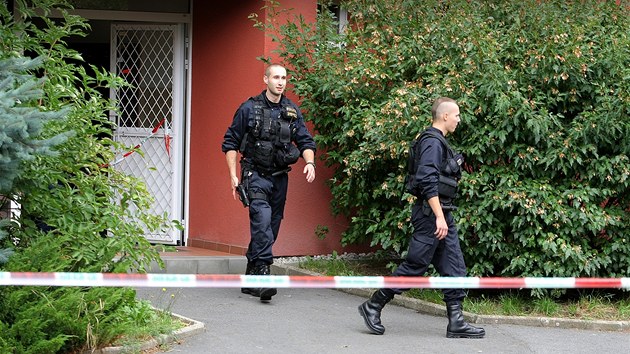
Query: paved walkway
{"points": [[327, 321]]}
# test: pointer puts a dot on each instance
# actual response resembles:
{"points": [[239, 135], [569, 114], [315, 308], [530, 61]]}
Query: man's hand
{"points": [[441, 228], [234, 181], [309, 169], [230, 158]]}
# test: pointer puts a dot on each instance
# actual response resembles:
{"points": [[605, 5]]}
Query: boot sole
{"points": [[368, 324], [267, 293], [462, 335], [264, 295]]}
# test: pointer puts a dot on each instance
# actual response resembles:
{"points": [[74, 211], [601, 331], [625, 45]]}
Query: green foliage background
{"points": [[544, 90], [77, 214]]}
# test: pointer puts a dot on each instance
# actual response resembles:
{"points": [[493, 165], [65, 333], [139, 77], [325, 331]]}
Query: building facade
{"points": [[191, 64]]}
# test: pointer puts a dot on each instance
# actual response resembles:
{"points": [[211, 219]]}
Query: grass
{"points": [[591, 304], [148, 322]]}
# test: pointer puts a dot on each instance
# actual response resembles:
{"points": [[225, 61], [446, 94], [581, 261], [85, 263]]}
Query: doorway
{"points": [[150, 53], [151, 113]]}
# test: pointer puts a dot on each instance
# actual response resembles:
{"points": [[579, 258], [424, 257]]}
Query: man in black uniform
{"points": [[434, 240], [269, 132]]}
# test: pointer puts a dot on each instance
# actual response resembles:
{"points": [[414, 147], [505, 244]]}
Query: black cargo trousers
{"points": [[425, 249], [265, 215]]}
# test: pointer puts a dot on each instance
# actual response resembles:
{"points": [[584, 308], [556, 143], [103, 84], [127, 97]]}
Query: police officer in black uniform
{"points": [[269, 132], [434, 240]]}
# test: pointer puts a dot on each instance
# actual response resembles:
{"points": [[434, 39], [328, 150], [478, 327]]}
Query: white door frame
{"points": [[151, 115]]}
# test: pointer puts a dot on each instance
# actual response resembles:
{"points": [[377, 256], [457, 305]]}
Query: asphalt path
{"points": [[327, 321]]}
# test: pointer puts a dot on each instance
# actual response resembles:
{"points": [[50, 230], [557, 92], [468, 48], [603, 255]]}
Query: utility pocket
{"points": [[287, 156], [263, 154], [447, 187]]}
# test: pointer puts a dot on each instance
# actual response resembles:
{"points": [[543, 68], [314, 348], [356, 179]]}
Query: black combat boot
{"points": [[249, 270], [265, 294], [457, 327], [371, 310]]}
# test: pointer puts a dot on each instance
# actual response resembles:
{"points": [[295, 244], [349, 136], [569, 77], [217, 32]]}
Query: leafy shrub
{"points": [[50, 320], [22, 122], [545, 97], [77, 213]]}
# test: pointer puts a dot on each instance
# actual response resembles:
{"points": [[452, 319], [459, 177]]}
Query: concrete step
{"points": [[202, 265], [190, 260]]}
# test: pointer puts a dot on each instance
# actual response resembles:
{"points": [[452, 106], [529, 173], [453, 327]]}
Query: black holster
{"points": [[245, 194], [243, 187], [242, 194]]}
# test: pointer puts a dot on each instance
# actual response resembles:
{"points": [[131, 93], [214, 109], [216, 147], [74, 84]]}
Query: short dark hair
{"points": [[271, 66]]}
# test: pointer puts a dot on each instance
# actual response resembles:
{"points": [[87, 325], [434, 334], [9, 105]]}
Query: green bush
{"points": [[22, 123], [77, 213], [544, 92], [51, 320], [20, 118]]}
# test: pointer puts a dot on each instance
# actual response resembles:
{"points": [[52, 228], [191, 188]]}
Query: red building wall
{"points": [[225, 72]]}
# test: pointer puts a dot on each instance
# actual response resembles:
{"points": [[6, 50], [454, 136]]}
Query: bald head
{"points": [[441, 106], [445, 112]]}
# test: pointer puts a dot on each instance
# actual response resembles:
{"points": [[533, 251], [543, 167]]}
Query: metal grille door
{"points": [[150, 113]]}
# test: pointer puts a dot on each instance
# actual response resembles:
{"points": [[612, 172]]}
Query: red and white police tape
{"points": [[167, 140], [286, 281]]}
